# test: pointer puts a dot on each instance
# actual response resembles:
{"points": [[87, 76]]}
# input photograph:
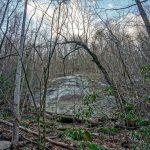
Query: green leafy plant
{"points": [[129, 111], [142, 138], [142, 122], [88, 110], [93, 146], [130, 116], [143, 146], [78, 135], [147, 98], [141, 134], [146, 71], [131, 119], [111, 131], [129, 107], [108, 91], [90, 98], [145, 132]]}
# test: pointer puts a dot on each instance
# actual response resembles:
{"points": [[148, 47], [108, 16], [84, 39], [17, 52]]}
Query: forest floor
{"points": [[96, 134]]}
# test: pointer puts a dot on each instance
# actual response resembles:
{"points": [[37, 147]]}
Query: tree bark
{"points": [[7, 4], [145, 20], [144, 16], [17, 92]]}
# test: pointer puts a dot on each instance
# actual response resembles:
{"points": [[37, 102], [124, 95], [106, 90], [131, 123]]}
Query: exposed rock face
{"points": [[66, 94], [5, 145]]}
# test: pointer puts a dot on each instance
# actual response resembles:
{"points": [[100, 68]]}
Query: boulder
{"points": [[65, 95], [5, 145]]}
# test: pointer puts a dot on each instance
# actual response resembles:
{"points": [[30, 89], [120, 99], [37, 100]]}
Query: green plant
{"points": [[88, 110], [142, 122], [141, 134], [143, 146], [129, 107], [145, 132], [142, 139], [90, 98], [93, 146], [131, 119], [130, 116], [78, 135], [111, 131], [129, 111], [145, 70], [109, 91], [147, 98]]}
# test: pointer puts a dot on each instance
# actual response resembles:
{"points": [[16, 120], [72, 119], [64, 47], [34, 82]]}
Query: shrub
{"points": [[78, 135], [111, 131]]}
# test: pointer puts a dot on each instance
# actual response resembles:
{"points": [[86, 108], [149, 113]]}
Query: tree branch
{"points": [[60, 144], [123, 7], [10, 55]]}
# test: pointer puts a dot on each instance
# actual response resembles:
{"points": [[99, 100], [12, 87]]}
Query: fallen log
{"points": [[60, 144]]}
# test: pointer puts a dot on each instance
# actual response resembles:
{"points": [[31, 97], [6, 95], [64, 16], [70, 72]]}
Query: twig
{"points": [[60, 144]]}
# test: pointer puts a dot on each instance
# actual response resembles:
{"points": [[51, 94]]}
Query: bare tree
{"points": [[3, 17], [17, 92], [146, 22], [144, 16]]}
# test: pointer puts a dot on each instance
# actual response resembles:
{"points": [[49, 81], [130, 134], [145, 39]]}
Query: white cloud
{"points": [[77, 20], [131, 24], [110, 5]]}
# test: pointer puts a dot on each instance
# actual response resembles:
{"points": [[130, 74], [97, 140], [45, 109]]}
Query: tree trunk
{"points": [[145, 20], [17, 92], [144, 16], [3, 17]]}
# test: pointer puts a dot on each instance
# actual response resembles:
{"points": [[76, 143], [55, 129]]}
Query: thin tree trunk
{"points": [[119, 98], [145, 20], [17, 92], [7, 4], [144, 16]]}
